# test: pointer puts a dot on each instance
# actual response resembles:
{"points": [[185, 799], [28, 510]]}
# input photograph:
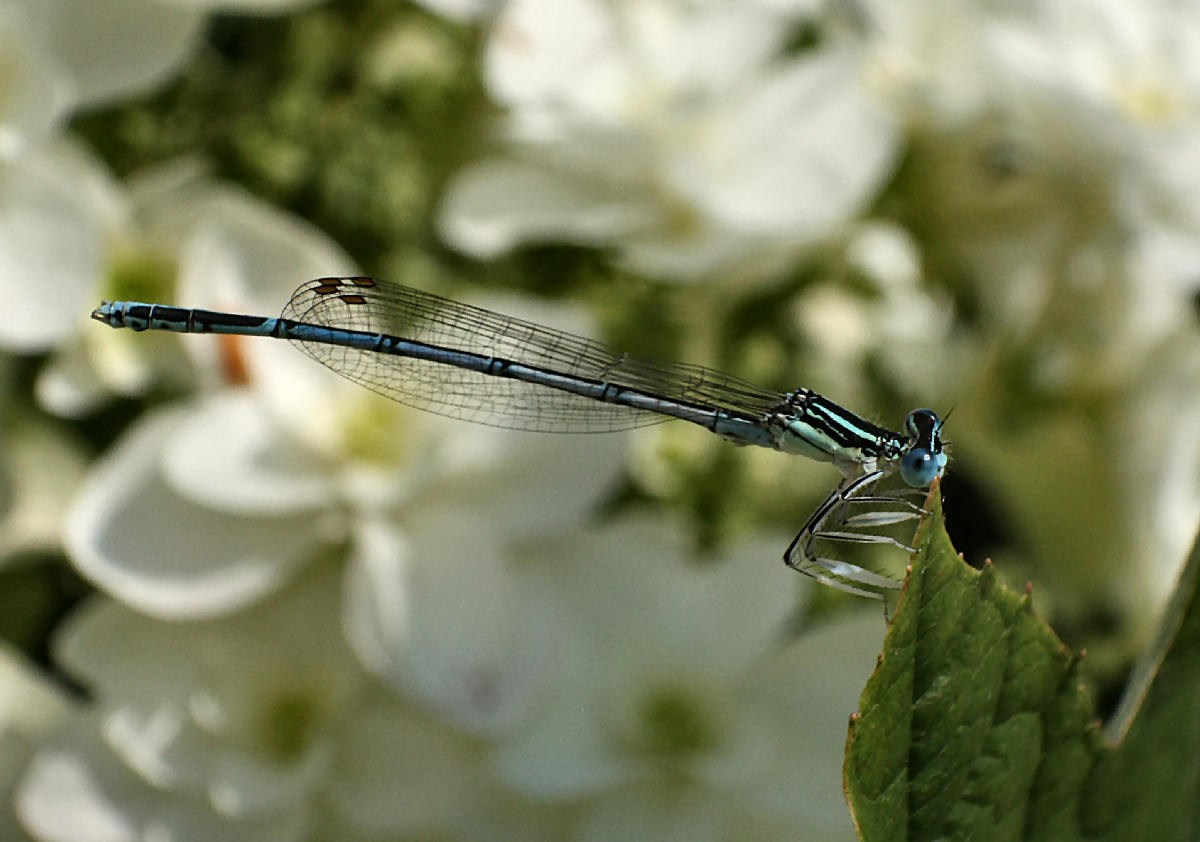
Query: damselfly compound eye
{"points": [[919, 467], [922, 424]]}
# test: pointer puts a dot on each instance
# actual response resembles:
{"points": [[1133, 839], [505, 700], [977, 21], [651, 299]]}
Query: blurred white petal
{"points": [[257, 722], [802, 151], [69, 384], [76, 791], [245, 786], [244, 720], [135, 538], [121, 48], [646, 639], [238, 250], [532, 484], [37, 89], [814, 683], [56, 206], [566, 756], [39, 467], [30, 704], [438, 613], [545, 52], [493, 206], [685, 137], [400, 773], [229, 454], [31, 708], [60, 799]]}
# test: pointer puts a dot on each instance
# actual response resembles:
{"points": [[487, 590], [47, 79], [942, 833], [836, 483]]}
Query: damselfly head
{"points": [[923, 461]]}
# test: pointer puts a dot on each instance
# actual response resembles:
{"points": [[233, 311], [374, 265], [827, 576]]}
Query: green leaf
{"points": [[1149, 788], [975, 726]]}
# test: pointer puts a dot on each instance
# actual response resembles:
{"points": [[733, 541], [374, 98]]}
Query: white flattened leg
{"points": [[832, 522]]}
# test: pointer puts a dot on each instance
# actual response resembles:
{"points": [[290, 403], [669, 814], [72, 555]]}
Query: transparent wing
{"points": [[365, 304]]}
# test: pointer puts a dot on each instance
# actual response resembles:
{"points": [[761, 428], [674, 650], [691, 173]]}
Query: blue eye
{"points": [[919, 467]]}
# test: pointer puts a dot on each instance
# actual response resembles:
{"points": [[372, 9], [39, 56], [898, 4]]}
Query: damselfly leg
{"points": [[834, 520]]}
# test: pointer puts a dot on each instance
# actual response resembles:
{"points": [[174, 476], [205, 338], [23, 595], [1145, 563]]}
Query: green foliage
{"points": [[350, 115], [975, 726]]}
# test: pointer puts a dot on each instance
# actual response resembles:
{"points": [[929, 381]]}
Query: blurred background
{"points": [[245, 599]]}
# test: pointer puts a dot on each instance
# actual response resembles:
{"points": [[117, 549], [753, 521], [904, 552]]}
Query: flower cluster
{"points": [[1013, 183], [316, 614]]}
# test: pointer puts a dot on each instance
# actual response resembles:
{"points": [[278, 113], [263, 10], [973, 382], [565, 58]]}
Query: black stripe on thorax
{"points": [[843, 426]]}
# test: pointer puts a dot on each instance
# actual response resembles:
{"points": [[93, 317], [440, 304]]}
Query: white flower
{"points": [[249, 501], [65, 55], [210, 561], [61, 56], [677, 706], [440, 612], [30, 709], [255, 726], [682, 135], [609, 673], [37, 92], [39, 466], [253, 482], [613, 690], [172, 234], [1047, 181], [57, 207], [62, 219], [120, 48], [1048, 138]]}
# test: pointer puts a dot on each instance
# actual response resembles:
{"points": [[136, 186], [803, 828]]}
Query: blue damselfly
{"points": [[466, 362]]}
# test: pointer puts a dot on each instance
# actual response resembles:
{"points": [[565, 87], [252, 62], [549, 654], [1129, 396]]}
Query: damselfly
{"points": [[470, 363]]}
